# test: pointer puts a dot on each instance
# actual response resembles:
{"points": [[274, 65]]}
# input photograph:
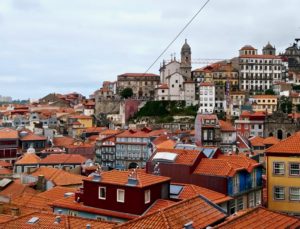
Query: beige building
{"points": [[264, 102]]}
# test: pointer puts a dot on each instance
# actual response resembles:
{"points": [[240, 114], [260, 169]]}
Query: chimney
{"points": [[57, 220], [41, 183], [15, 211], [88, 226], [1, 208], [188, 225]]}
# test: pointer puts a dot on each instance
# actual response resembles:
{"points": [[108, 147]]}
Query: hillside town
{"points": [[210, 147]]}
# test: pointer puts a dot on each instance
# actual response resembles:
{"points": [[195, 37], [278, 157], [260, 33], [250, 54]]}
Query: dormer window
{"points": [[121, 195], [102, 193]]}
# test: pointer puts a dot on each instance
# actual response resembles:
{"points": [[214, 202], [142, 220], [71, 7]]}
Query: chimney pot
{"points": [[88, 226], [57, 219], [15, 211]]}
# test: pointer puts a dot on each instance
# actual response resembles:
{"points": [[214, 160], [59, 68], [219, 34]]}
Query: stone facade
{"points": [[280, 125], [142, 84]]}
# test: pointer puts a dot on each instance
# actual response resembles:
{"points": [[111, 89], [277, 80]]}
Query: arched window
{"points": [[279, 134]]}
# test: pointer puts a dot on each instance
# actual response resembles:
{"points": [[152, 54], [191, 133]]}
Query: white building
{"points": [[258, 72], [176, 79], [207, 98]]}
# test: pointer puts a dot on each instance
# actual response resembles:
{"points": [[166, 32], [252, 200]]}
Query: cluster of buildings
{"points": [[67, 161]]}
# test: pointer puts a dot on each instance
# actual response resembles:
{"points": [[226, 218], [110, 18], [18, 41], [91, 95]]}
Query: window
{"points": [[251, 200], [102, 193], [294, 169], [147, 196], [253, 178], [278, 168], [235, 184], [240, 203], [121, 195], [278, 193], [295, 194]]}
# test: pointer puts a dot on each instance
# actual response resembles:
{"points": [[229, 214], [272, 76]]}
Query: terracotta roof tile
{"points": [[226, 126], [5, 171], [28, 158], [185, 157], [63, 141], [46, 220], [167, 144], [225, 165], [199, 210], [257, 141], [288, 145], [33, 137], [121, 178], [139, 75], [265, 97], [158, 205], [59, 177], [7, 133], [190, 190], [80, 117], [163, 86], [16, 189], [248, 47], [5, 164], [271, 141], [63, 158], [69, 203], [261, 218]]}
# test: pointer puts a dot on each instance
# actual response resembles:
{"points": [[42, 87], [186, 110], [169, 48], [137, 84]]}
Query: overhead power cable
{"points": [[175, 38]]}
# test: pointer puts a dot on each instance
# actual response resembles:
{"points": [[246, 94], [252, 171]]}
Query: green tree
{"points": [[285, 105], [270, 92], [126, 92]]}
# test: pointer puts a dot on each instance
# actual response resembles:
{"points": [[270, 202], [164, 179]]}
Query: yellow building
{"points": [[283, 175], [264, 102], [86, 121]]}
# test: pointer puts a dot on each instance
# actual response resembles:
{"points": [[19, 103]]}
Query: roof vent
{"points": [[156, 170], [57, 219], [188, 225], [88, 226], [132, 178], [33, 220]]}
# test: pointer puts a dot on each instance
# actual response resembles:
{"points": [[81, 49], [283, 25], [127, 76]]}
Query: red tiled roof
{"points": [[63, 159], [258, 56], [98, 129], [264, 96], [167, 144], [288, 145], [121, 178], [63, 141], [257, 141], [139, 75], [248, 47], [80, 117], [158, 205], [7, 133], [190, 190], [5, 164], [225, 165], [163, 86], [69, 203], [33, 137], [271, 140], [59, 177], [226, 126], [206, 84], [261, 218], [47, 220], [28, 158], [184, 156], [16, 189], [5, 171], [140, 133], [196, 210]]}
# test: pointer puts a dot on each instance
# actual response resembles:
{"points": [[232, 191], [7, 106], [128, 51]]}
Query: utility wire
{"points": [[181, 31]]}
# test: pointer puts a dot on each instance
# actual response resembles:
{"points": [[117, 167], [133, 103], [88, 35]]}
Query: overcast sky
{"points": [[73, 45]]}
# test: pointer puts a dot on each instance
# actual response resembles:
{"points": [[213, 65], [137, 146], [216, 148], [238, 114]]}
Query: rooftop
{"points": [[63, 158], [121, 178], [288, 145], [261, 218], [197, 210], [7, 133]]}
